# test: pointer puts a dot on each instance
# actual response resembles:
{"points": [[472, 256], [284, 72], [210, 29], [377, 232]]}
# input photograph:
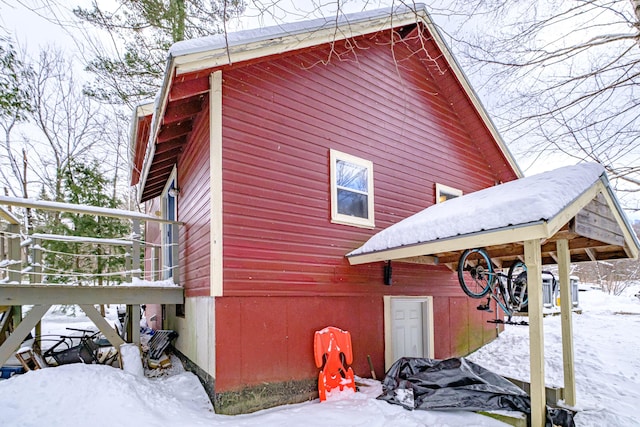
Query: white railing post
{"points": [[175, 253], [135, 249], [3, 251], [36, 262], [15, 258], [155, 263], [15, 264]]}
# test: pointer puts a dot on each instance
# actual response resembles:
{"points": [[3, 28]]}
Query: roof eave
{"points": [[484, 238], [158, 111], [543, 229], [140, 111], [215, 58], [218, 57]]}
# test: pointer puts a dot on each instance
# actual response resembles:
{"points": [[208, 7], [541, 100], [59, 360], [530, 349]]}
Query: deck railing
{"points": [[23, 257]]}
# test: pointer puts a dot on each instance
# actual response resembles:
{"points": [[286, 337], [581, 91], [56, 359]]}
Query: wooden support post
{"points": [[36, 276], [135, 250], [102, 324], [135, 324], [155, 264], [16, 264], [36, 262], [127, 267], [566, 305], [175, 253], [533, 260], [3, 250], [14, 253], [21, 331]]}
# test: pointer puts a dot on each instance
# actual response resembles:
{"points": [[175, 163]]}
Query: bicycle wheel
{"points": [[475, 272], [517, 285]]}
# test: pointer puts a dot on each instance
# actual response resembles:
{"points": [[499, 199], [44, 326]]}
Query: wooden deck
{"points": [[25, 269]]}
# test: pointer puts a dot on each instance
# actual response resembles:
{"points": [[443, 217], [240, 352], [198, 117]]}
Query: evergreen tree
{"points": [[147, 28], [85, 185], [14, 99]]}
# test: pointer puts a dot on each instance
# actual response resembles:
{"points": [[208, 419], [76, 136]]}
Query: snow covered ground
{"points": [[607, 344]]}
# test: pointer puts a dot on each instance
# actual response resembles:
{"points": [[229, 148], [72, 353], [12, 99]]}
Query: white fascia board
{"points": [[288, 42], [140, 111], [538, 230]]}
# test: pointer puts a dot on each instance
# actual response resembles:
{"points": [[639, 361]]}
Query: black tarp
{"points": [[457, 384]]}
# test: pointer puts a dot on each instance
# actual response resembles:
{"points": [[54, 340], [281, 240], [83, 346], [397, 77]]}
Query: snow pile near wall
{"points": [[131, 360]]}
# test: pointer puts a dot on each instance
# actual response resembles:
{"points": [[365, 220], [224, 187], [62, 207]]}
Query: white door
{"points": [[407, 328], [410, 328]]}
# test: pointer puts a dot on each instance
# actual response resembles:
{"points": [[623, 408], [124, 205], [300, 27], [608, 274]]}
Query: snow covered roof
{"points": [[200, 56], [532, 207], [303, 29]]}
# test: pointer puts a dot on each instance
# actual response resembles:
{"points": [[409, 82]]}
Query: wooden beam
{"points": [[80, 209], [173, 131], [566, 305], [67, 294], [472, 240], [427, 260], [536, 331], [159, 165], [8, 216], [167, 155], [179, 111], [170, 146], [21, 331], [102, 324], [188, 89]]}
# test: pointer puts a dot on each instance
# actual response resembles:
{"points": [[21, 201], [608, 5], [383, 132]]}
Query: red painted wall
{"points": [[194, 210], [285, 274]]}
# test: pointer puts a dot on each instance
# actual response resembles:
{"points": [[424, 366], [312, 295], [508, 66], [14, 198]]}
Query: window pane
{"points": [[353, 204], [351, 176]]}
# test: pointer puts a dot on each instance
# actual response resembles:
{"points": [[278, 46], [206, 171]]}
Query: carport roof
{"points": [[574, 203]]}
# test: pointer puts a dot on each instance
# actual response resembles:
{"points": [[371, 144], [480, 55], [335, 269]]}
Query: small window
{"points": [[351, 190], [444, 193]]}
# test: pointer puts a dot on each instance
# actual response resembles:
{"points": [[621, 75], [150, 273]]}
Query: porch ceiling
{"points": [[186, 99], [500, 219]]}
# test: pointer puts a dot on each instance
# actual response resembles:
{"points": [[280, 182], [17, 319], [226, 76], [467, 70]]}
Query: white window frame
{"points": [[442, 189], [338, 218], [166, 249]]}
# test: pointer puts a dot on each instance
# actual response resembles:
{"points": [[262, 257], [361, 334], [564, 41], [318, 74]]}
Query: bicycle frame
{"points": [[509, 291], [506, 304]]}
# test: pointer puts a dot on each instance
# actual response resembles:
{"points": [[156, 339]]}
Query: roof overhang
{"points": [[190, 63], [594, 224], [139, 139]]}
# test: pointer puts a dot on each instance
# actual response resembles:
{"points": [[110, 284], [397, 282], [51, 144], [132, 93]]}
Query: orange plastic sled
{"points": [[332, 351]]}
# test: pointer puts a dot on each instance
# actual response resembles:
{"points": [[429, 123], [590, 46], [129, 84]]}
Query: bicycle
{"points": [[478, 278], [87, 348]]}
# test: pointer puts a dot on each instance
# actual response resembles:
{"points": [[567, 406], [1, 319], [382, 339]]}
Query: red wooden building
{"points": [[283, 149]]}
